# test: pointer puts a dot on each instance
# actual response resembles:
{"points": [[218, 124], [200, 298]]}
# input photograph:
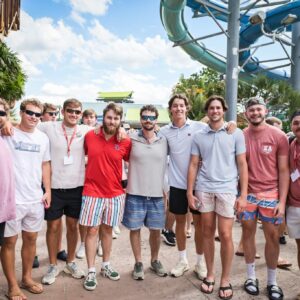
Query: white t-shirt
{"points": [[29, 151], [66, 176]]}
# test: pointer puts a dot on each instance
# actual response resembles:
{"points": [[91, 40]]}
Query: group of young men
{"points": [[215, 171]]}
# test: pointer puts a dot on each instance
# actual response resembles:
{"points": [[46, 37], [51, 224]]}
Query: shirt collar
{"points": [[209, 129], [187, 123]]}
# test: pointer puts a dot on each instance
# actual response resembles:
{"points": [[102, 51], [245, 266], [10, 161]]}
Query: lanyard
{"points": [[296, 156], [66, 137]]}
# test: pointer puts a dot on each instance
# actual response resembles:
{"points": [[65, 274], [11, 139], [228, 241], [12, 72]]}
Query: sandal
{"points": [[240, 253], [283, 264], [208, 284], [251, 283], [34, 288], [223, 289], [16, 295], [274, 290]]}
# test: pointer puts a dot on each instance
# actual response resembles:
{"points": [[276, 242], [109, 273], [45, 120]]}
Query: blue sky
{"points": [[76, 48]]}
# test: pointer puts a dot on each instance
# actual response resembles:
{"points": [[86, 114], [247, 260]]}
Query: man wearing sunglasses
{"points": [[31, 156], [68, 167], [50, 112], [144, 203]]}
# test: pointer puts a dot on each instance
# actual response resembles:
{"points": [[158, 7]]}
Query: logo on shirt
{"points": [[21, 146], [267, 149], [117, 147]]}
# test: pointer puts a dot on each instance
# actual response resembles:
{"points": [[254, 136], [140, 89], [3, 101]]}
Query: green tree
{"points": [[12, 77]]}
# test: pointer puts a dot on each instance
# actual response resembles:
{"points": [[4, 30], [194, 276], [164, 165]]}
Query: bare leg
{"points": [[72, 237], [180, 232], [135, 241], [106, 241], [248, 239], [154, 241], [52, 237], [91, 244], [197, 219], [272, 244]]}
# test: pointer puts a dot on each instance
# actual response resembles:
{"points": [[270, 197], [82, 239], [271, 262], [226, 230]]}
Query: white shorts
{"points": [[30, 218], [220, 203], [293, 222]]}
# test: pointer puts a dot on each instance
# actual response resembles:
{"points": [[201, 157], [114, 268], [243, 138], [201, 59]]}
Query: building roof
{"points": [[114, 95], [9, 16]]}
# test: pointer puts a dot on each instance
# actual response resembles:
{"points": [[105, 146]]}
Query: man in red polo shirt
{"points": [[103, 196]]}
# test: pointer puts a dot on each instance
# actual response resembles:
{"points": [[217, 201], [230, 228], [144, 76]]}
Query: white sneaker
{"points": [[99, 249], [200, 270], [114, 235], [51, 275], [81, 251], [181, 267], [72, 269], [117, 230]]}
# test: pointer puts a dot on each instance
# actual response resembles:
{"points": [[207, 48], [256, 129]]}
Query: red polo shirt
{"points": [[104, 169]]}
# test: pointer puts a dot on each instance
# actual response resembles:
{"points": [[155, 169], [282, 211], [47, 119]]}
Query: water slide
{"points": [[172, 17]]}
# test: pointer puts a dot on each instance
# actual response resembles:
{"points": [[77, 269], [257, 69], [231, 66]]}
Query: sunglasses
{"points": [[52, 113], [32, 113], [72, 111], [3, 113], [151, 118]]}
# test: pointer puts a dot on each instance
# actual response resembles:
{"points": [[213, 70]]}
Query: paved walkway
{"points": [[154, 287]]}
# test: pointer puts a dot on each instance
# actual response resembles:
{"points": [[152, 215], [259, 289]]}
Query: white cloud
{"points": [[93, 7], [76, 17], [28, 67]]}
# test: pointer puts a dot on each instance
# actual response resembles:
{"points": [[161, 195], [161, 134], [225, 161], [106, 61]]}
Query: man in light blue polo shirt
{"points": [[215, 183]]}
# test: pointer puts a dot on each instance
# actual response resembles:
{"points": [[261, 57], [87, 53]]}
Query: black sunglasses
{"points": [[72, 111], [3, 113], [32, 113], [151, 118], [52, 113]]}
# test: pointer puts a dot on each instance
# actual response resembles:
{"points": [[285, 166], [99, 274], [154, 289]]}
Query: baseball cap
{"points": [[255, 101]]}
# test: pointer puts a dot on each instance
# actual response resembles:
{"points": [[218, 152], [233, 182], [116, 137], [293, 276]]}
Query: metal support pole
{"points": [[232, 70], [295, 70]]}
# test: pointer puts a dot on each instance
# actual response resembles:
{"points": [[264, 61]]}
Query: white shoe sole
{"points": [[73, 275], [111, 278], [180, 274]]}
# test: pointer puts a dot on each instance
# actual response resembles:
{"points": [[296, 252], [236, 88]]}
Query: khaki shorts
{"points": [[220, 203], [293, 222]]}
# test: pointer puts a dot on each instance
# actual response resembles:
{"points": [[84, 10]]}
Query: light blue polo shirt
{"points": [[180, 143], [218, 150]]}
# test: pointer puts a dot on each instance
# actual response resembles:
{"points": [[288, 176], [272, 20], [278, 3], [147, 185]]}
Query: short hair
{"points": [[89, 112], [31, 101], [117, 109], [151, 108], [213, 98], [49, 106], [72, 102], [295, 114], [5, 105], [273, 120], [255, 101], [179, 96]]}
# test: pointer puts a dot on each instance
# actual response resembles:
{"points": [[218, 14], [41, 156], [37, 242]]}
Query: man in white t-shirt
{"points": [[31, 156]]}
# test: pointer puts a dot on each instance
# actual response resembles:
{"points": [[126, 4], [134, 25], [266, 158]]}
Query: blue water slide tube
{"points": [[173, 21]]}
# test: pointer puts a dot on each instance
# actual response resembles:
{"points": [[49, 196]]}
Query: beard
{"points": [[112, 130], [148, 128]]}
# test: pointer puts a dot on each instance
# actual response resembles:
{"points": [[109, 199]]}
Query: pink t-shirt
{"points": [[7, 184], [263, 148], [294, 193]]}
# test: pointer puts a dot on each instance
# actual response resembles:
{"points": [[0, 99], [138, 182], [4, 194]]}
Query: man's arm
{"points": [[243, 178], [284, 180], [192, 174], [46, 176]]}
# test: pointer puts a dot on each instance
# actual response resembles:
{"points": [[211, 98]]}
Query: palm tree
{"points": [[12, 77]]}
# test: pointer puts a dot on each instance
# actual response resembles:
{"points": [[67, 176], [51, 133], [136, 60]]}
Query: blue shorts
{"points": [[140, 210]]}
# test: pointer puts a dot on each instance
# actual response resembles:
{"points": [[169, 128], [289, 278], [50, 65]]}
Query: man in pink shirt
{"points": [[293, 209], [7, 182], [267, 157]]}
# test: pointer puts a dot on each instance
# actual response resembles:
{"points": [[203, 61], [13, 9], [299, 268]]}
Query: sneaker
{"points": [[51, 275], [62, 255], [90, 281], [36, 262], [168, 237], [72, 269], [81, 251], [114, 235], [200, 270], [116, 230], [99, 249], [138, 271], [158, 268], [181, 267], [110, 273]]}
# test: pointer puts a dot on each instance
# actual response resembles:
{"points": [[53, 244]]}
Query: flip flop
{"points": [[223, 289], [34, 288], [208, 284], [283, 264], [238, 253], [12, 296]]}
